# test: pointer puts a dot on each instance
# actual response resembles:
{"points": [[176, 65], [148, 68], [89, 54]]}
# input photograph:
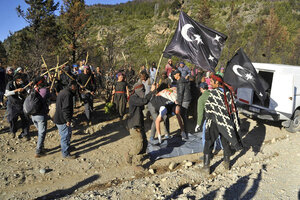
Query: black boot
{"points": [[226, 162], [206, 164]]}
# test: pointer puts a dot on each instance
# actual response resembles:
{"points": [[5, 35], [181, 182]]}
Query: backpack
{"points": [[33, 103]]}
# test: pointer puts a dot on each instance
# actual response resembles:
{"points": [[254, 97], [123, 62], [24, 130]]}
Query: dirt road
{"points": [[267, 169]]}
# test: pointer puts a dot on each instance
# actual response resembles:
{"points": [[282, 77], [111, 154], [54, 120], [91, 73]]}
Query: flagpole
{"points": [[163, 53]]}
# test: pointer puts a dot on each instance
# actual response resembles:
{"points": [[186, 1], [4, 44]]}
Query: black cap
{"points": [[203, 85]]}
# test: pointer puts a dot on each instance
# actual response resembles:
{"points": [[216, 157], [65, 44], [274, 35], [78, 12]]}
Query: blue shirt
{"points": [[184, 71]]}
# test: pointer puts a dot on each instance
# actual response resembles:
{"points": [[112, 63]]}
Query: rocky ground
{"points": [[267, 169]]}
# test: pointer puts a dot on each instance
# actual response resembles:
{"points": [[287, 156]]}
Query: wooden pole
{"points": [[75, 80], [157, 70], [46, 66], [53, 69], [56, 71], [88, 81], [124, 57], [146, 63], [87, 58], [29, 84]]}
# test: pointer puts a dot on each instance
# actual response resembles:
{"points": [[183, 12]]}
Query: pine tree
{"points": [[74, 21], [17, 47], [110, 48], [42, 29], [276, 35]]}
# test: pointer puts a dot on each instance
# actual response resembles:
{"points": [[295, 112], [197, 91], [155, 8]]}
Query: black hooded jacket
{"points": [[15, 101], [64, 107], [136, 107]]}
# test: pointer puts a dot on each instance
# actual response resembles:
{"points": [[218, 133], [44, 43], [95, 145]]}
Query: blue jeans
{"points": [[65, 138], [40, 122]]}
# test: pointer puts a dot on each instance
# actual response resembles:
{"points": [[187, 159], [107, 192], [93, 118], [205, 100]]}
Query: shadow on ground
{"points": [[238, 189], [109, 133], [62, 193]]}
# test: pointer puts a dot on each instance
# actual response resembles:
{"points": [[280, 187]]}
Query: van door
{"points": [[282, 94]]}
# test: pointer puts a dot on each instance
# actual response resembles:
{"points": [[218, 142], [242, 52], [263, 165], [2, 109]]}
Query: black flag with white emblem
{"points": [[196, 43], [240, 72]]}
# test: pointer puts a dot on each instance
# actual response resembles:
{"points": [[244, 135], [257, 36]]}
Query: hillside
{"points": [[142, 28], [269, 31]]}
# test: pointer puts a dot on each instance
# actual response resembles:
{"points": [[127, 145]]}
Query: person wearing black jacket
{"points": [[184, 98], [87, 80], [221, 120], [25, 77], [39, 119], [63, 116], [2, 84], [16, 96], [135, 121]]}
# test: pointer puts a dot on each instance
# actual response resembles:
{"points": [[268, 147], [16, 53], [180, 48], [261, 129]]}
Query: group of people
{"points": [[179, 90], [64, 88], [176, 90]]}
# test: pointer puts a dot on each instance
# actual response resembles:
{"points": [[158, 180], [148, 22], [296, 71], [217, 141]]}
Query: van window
{"points": [[266, 78]]}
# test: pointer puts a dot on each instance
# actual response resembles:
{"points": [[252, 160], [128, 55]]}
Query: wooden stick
{"points": [[46, 66], [124, 57], [146, 63], [26, 86], [87, 58], [30, 83], [53, 80], [157, 70], [53, 69], [88, 81], [74, 80]]}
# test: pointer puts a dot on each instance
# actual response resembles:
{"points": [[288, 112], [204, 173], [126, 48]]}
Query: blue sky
{"points": [[10, 22]]}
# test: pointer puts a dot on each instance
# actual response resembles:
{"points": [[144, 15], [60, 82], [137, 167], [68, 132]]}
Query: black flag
{"points": [[196, 43], [240, 72]]}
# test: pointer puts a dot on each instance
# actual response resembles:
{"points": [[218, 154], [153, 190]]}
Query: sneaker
{"points": [[167, 136], [23, 135], [153, 141], [159, 139], [70, 157]]}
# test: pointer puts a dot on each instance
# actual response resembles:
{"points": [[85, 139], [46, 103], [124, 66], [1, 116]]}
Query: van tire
{"points": [[295, 123]]}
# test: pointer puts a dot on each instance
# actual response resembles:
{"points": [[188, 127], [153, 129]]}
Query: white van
{"points": [[283, 95]]}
